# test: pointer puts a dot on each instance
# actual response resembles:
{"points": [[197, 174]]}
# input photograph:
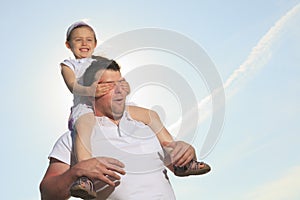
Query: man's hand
{"points": [[100, 168], [181, 152]]}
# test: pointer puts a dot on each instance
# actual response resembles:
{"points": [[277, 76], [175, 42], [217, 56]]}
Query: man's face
{"points": [[111, 104]]}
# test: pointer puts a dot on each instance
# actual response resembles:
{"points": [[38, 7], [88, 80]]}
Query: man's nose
{"points": [[118, 88]]}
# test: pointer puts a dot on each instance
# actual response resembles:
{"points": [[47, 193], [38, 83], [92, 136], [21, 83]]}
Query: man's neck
{"points": [[115, 120]]}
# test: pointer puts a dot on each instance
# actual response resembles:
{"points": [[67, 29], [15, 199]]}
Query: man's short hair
{"points": [[100, 63]]}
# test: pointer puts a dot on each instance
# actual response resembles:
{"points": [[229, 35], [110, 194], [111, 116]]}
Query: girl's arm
{"points": [[72, 84], [95, 90]]}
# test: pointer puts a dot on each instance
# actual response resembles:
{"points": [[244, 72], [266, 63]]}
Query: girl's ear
{"points": [[68, 45]]}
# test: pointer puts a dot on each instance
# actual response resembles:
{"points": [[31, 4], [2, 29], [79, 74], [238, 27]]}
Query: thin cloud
{"points": [[258, 57], [261, 53], [285, 187]]}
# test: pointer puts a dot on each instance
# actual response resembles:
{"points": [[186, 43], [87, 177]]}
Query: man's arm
{"points": [[59, 176], [181, 153], [57, 181]]}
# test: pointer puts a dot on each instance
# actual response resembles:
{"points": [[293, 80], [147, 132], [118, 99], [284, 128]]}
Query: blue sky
{"points": [[256, 155]]}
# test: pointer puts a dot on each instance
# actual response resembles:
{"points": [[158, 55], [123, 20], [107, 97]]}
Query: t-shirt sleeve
{"points": [[62, 149], [68, 63]]}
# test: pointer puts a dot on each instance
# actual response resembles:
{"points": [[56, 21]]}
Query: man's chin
{"points": [[117, 115]]}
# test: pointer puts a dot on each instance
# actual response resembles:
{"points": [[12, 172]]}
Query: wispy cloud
{"points": [[261, 53], [285, 187], [258, 57]]}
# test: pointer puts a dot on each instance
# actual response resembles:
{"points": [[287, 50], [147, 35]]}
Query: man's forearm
{"points": [[59, 176], [56, 186]]}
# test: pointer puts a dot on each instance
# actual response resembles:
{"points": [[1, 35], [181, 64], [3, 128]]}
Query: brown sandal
{"points": [[83, 188], [193, 168]]}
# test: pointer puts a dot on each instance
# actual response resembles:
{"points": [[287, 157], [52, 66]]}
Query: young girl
{"points": [[81, 40]]}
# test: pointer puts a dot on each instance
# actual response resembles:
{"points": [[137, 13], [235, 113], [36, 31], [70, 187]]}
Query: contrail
{"points": [[261, 53], [258, 57]]}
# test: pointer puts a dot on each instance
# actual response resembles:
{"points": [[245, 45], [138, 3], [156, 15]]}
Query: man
{"points": [[116, 135]]}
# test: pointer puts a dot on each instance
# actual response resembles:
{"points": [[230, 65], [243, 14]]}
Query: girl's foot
{"points": [[193, 168]]}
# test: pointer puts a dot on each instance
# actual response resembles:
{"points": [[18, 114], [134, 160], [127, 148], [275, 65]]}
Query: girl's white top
{"points": [[78, 66]]}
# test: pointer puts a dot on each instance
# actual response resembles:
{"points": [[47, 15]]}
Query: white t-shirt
{"points": [[81, 105], [78, 66], [134, 144]]}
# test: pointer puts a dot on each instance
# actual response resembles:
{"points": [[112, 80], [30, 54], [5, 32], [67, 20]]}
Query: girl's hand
{"points": [[125, 86], [103, 88]]}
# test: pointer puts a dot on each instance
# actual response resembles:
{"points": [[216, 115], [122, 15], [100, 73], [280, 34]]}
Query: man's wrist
{"points": [[75, 173]]}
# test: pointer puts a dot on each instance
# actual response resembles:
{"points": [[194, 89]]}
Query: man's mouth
{"points": [[118, 100]]}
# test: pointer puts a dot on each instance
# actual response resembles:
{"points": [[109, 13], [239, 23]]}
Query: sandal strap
{"points": [[85, 180], [194, 165]]}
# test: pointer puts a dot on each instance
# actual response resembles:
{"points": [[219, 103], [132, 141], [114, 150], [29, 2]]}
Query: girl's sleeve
{"points": [[68, 63]]}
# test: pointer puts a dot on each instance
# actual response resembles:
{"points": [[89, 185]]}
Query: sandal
{"points": [[83, 188], [193, 168]]}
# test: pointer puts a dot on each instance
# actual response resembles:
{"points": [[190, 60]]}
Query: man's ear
{"points": [[68, 45]]}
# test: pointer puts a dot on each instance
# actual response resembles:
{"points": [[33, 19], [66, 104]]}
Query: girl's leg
{"points": [[83, 187], [84, 127], [152, 119]]}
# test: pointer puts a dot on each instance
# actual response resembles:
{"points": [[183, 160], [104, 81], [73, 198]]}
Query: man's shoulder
{"points": [[62, 148], [65, 138]]}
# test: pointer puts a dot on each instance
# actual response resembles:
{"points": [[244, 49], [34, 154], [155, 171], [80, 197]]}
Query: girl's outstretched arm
{"points": [[72, 84]]}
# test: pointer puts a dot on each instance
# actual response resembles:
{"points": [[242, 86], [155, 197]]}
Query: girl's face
{"points": [[82, 42]]}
